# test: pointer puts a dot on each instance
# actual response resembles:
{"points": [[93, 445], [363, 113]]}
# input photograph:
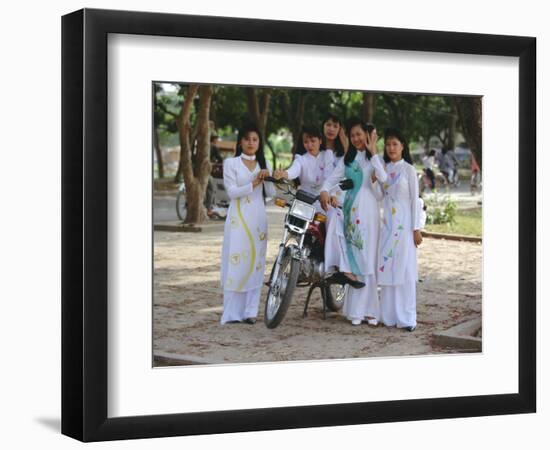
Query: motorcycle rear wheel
{"points": [[281, 290], [335, 295]]}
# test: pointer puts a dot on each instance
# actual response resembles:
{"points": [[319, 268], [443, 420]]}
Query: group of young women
{"points": [[360, 249]]}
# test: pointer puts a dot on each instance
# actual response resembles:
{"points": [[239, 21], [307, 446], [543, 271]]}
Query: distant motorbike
{"points": [[424, 182], [221, 200], [300, 260], [475, 182]]}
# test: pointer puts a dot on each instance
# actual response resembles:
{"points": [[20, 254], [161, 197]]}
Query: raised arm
{"points": [[230, 181], [379, 168]]}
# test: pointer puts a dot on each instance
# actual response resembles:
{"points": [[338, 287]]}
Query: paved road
{"points": [[165, 204]]}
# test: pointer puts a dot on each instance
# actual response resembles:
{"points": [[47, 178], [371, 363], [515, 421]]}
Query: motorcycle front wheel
{"points": [[335, 296], [281, 289]]}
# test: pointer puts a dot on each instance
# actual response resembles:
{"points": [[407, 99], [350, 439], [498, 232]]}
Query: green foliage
{"points": [[467, 222], [425, 120], [420, 117], [440, 209], [281, 142]]}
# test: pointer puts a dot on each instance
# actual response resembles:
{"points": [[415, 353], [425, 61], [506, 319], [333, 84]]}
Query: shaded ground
{"points": [[188, 306]]}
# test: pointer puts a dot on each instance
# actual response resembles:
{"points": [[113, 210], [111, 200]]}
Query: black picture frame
{"points": [[84, 224]]}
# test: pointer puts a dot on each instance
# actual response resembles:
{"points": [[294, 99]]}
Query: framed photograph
{"points": [[273, 225]]}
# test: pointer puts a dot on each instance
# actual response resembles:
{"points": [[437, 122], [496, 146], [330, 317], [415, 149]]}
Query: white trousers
{"points": [[240, 305], [398, 305], [335, 243], [361, 303]]}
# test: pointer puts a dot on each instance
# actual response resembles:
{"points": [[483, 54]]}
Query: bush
{"points": [[440, 209]]}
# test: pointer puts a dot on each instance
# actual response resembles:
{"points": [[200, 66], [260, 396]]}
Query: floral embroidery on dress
{"points": [[353, 234], [394, 178], [262, 235]]}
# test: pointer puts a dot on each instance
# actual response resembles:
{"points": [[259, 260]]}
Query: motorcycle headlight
{"points": [[302, 210]]}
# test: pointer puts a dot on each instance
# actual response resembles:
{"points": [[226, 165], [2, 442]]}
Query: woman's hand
{"points": [[260, 177], [334, 201], [278, 174], [371, 142], [343, 138], [373, 177], [417, 237], [257, 181], [324, 199]]}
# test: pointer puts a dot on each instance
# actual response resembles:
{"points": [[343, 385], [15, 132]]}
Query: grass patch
{"points": [[467, 222]]}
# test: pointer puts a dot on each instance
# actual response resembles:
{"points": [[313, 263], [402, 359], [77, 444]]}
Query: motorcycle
{"points": [[425, 184], [300, 260]]}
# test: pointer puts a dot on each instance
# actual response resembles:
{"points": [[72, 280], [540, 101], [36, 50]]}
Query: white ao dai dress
{"points": [[244, 242], [357, 237], [397, 266]]}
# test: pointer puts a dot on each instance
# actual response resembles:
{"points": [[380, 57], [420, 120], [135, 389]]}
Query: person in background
{"points": [[428, 162], [209, 198], [451, 162], [475, 179]]}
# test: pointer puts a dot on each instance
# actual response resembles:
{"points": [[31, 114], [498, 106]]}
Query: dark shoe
{"points": [[233, 321], [250, 320], [410, 329], [336, 278], [356, 284]]}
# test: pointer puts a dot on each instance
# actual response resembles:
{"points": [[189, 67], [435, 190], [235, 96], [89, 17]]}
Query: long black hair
{"points": [[367, 127], [338, 146], [310, 131], [395, 133], [243, 132]]}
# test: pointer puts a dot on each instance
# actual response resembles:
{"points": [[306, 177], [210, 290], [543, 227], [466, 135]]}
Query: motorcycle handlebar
{"points": [[276, 181]]}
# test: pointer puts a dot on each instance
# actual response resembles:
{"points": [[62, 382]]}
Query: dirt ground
{"points": [[188, 306]]}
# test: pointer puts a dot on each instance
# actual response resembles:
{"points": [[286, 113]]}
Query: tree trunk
{"points": [[196, 185], [469, 114], [272, 154], [184, 131], [298, 121], [257, 111], [158, 152], [369, 104]]}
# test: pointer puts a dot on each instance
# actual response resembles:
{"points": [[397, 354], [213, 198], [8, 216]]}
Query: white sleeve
{"points": [[268, 185], [376, 187], [295, 169], [379, 169], [332, 181], [230, 181], [413, 189], [329, 163]]}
